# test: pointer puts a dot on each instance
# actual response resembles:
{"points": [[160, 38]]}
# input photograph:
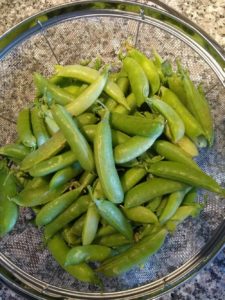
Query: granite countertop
{"points": [[208, 14]]}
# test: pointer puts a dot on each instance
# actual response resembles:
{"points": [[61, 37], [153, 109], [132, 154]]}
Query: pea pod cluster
{"points": [[107, 162]]}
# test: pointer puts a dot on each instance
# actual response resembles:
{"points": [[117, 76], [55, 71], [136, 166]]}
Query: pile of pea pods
{"points": [[105, 161]]}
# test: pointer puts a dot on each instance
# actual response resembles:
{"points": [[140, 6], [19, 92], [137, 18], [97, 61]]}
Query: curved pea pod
{"points": [[140, 214], [77, 227], [131, 101], [72, 89], [149, 69], [155, 187], [186, 174], [54, 208], [190, 197], [192, 127], [135, 255], [131, 177], [38, 126], [65, 175], [87, 119], [113, 240], [105, 230], [123, 84], [175, 123], [51, 91], [53, 164], [90, 225], [188, 146], [174, 153], [154, 203], [137, 145], [90, 75], [17, 151], [8, 209], [24, 129], [173, 202], [104, 161], [75, 210], [114, 217], [87, 253], [74, 137], [176, 86], [59, 251], [132, 125], [54, 145], [138, 79]]}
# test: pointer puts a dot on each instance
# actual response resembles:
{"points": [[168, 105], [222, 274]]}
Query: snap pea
{"points": [[8, 209], [86, 119], [186, 174], [38, 126], [111, 104], [71, 239], [175, 84], [190, 197], [188, 146], [131, 177], [87, 253], [74, 137], [145, 191], [105, 162], [174, 153], [123, 84], [154, 203], [192, 128], [140, 214], [173, 202], [75, 210], [114, 217], [119, 249], [52, 127], [113, 240], [137, 145], [105, 230], [90, 75], [52, 92], [17, 151], [175, 123], [24, 129], [131, 100], [54, 208], [87, 178], [137, 254], [65, 175], [59, 251], [97, 190], [149, 69], [53, 164], [55, 144], [162, 205], [138, 80], [76, 90], [78, 225], [90, 225]]}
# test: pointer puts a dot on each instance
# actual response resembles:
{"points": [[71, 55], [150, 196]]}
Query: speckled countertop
{"points": [[208, 14]]}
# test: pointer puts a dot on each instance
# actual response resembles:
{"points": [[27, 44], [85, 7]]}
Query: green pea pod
{"points": [[87, 178], [90, 225], [104, 161], [188, 146], [149, 69], [59, 251], [192, 127], [111, 104], [105, 230], [53, 164], [131, 101], [175, 123], [174, 201], [137, 145], [186, 174], [71, 239], [87, 119], [65, 175], [154, 203], [140, 214], [17, 151], [113, 240], [54, 145], [52, 92], [176, 86], [74, 137], [38, 126], [24, 129], [8, 209], [119, 249], [113, 215], [97, 190], [162, 205], [131, 177], [190, 197], [90, 75], [145, 191], [54, 208], [138, 79], [72, 89], [133, 125], [123, 84], [75, 210], [174, 153], [135, 255], [51, 125], [87, 253], [78, 225]]}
